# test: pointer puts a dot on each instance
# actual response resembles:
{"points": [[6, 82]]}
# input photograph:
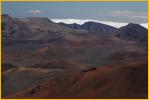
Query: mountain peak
{"points": [[92, 23], [98, 27], [39, 19], [133, 25], [134, 32]]}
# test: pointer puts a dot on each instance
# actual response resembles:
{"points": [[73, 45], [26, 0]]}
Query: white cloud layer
{"points": [[35, 11], [82, 21]]}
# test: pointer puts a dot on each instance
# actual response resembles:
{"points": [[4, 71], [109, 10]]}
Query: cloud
{"points": [[70, 21], [144, 25], [35, 11], [130, 14], [82, 21], [117, 13], [143, 17]]}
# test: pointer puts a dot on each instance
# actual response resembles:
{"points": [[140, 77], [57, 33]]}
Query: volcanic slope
{"points": [[114, 81]]}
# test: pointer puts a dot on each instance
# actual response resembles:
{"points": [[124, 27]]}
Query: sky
{"points": [[126, 12]]}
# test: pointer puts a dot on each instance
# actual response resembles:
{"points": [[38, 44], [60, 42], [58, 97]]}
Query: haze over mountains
{"points": [[38, 53]]}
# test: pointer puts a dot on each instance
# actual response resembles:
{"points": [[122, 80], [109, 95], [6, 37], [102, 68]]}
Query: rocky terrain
{"points": [[115, 81], [43, 59]]}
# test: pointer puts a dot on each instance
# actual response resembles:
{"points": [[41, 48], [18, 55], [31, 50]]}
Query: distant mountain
{"points": [[92, 26], [98, 27], [133, 32], [73, 26], [36, 28], [29, 28], [82, 21]]}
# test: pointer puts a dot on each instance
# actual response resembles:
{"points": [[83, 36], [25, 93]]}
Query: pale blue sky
{"points": [[135, 12]]}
